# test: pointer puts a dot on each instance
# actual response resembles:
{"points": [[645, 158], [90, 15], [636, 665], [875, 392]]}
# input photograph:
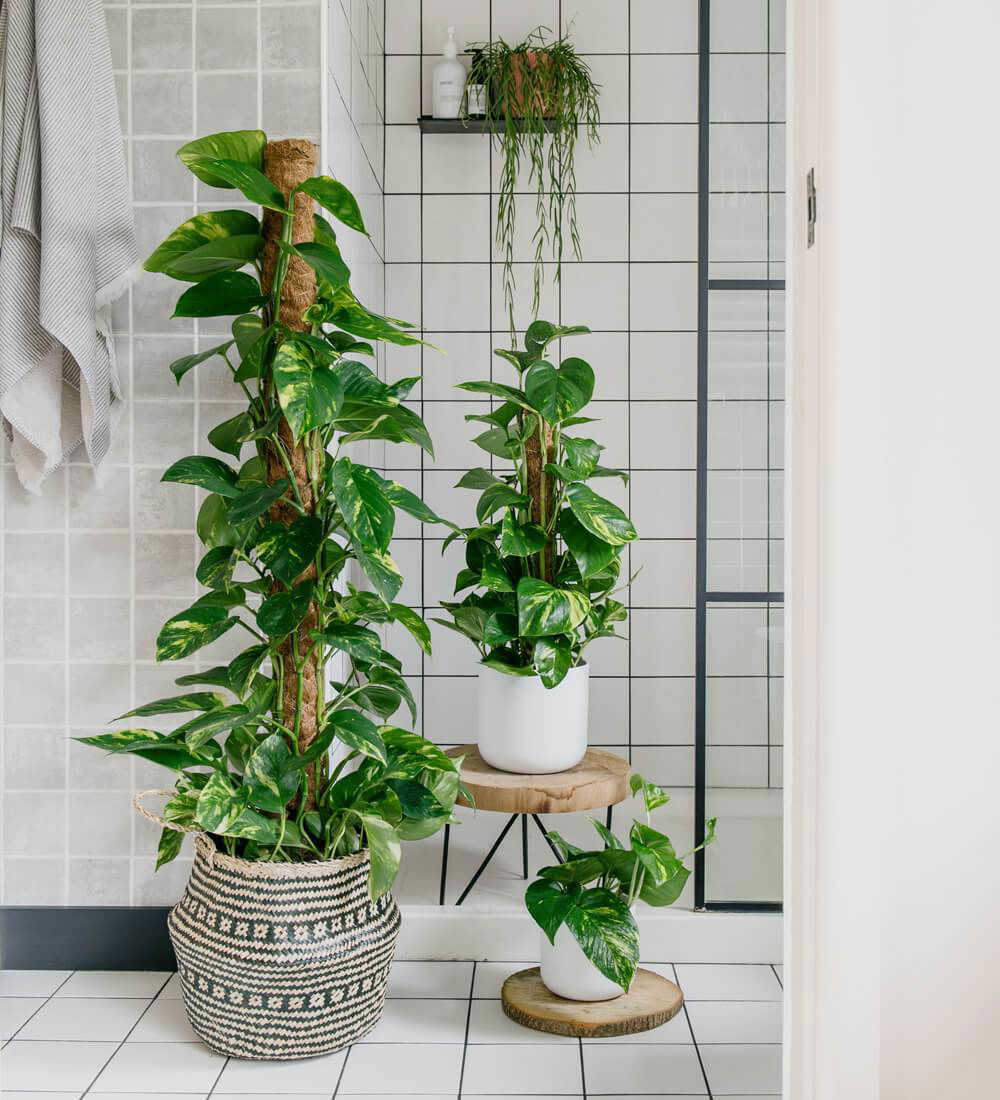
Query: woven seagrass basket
{"points": [[281, 960]]}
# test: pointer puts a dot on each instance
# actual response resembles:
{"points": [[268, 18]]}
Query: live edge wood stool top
{"points": [[650, 1002], [598, 781]]}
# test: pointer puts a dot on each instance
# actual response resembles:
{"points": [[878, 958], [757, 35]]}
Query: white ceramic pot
{"points": [[530, 729], [567, 971]]}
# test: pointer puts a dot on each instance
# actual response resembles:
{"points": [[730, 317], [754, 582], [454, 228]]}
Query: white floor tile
{"points": [[18, 1095], [736, 1021], [113, 983], [549, 1070], [742, 1070], [14, 1011], [383, 1095], [174, 1067], [57, 1067], [172, 990], [31, 983], [728, 982], [310, 1075], [489, 1023], [155, 1096], [426, 1021], [490, 976], [645, 1068], [430, 979], [165, 1021], [90, 1020], [413, 1069]]}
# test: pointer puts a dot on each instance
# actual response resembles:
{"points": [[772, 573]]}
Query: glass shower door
{"points": [[740, 476]]}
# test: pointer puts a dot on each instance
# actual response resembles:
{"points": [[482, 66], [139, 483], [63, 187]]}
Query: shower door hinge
{"points": [[811, 208]]}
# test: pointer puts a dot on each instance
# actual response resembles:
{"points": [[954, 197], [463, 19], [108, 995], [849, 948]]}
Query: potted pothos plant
{"points": [[583, 906], [287, 929], [543, 565], [539, 94]]}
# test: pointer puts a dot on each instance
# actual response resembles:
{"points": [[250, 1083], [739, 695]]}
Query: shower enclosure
{"points": [[740, 483]]}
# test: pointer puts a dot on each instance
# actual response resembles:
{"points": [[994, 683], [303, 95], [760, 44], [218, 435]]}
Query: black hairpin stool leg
{"points": [[524, 845], [486, 861], [444, 864], [544, 832]]}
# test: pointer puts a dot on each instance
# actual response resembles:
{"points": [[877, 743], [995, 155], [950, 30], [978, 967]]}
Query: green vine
{"points": [[538, 95]]}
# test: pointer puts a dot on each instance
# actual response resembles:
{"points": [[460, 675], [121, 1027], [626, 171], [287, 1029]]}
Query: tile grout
{"points": [[125, 1039]]}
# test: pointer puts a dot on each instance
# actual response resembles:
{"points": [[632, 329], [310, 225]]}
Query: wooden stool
{"points": [[650, 1002], [598, 782]]}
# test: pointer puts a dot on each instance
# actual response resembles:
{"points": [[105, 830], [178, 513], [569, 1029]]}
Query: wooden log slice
{"points": [[650, 1002], [598, 781]]}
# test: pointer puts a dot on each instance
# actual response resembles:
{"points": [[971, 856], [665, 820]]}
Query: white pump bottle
{"points": [[448, 82]]}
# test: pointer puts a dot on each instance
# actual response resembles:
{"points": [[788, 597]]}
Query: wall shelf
{"points": [[430, 125]]}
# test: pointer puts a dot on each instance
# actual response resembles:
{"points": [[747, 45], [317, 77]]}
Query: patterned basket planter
{"points": [[281, 960]]}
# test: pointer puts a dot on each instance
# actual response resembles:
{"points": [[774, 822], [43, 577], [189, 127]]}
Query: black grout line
{"points": [[152, 1000], [468, 1021], [41, 1006], [340, 1076], [687, 1017], [211, 1091]]}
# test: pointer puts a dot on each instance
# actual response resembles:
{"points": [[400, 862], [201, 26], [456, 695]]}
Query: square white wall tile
{"points": [[739, 26], [455, 163], [663, 296], [666, 573], [664, 88], [664, 26], [739, 88], [596, 26], [514, 20], [470, 18], [664, 157], [663, 227], [663, 710], [455, 229], [457, 297]]}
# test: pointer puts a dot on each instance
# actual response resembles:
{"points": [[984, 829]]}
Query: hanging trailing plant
{"points": [[538, 95]]}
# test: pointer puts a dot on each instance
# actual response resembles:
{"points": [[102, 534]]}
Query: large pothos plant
{"points": [[543, 563], [284, 524]]}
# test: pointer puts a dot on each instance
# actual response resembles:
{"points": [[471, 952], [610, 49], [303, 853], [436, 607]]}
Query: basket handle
{"points": [[137, 803]]}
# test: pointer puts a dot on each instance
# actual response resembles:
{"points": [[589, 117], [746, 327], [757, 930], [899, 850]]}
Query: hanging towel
{"points": [[68, 247]]}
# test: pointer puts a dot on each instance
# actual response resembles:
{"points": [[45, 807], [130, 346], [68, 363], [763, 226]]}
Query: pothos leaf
{"points": [[281, 613], [607, 934], [189, 631], [548, 904], [310, 394], [384, 851], [543, 609], [287, 550]]}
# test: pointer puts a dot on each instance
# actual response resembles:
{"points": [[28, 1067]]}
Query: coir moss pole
{"points": [[287, 164]]}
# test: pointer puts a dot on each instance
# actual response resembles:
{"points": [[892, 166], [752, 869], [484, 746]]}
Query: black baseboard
{"points": [[85, 938]]}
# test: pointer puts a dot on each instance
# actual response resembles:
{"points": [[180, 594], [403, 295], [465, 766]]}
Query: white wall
{"points": [[90, 575], [895, 424], [637, 289]]}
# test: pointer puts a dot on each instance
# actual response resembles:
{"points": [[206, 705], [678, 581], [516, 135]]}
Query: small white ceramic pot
{"points": [[567, 971], [527, 728]]}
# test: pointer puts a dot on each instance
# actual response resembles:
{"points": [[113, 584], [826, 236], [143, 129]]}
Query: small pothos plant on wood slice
{"points": [[592, 893], [283, 524], [544, 562]]}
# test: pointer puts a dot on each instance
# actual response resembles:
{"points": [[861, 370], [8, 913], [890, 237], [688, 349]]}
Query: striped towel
{"points": [[68, 241]]}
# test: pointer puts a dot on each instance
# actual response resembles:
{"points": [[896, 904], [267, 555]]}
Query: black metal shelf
{"points": [[430, 125]]}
